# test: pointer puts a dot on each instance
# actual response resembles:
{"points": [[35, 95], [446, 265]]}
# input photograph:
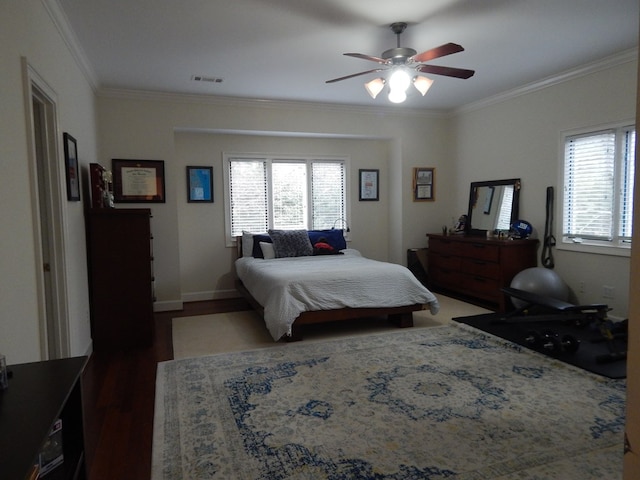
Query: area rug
{"points": [[441, 402], [591, 346], [210, 334]]}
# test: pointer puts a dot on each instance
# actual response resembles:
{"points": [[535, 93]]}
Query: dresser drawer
{"points": [[480, 268], [445, 277], [487, 288], [445, 261], [444, 246], [480, 251]]}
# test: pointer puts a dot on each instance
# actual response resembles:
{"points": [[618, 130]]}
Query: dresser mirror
{"points": [[493, 205]]}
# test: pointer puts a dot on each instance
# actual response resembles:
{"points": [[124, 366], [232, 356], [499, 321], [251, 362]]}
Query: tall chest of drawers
{"points": [[477, 268]]}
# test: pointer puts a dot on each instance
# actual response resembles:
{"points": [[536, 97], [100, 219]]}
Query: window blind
{"points": [[589, 186], [285, 193]]}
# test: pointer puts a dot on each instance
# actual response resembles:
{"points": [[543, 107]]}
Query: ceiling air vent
{"points": [[204, 78]]}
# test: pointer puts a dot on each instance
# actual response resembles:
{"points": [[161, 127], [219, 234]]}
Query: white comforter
{"points": [[286, 287]]}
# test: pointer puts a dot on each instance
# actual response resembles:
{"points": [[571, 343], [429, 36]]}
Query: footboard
{"points": [[399, 316]]}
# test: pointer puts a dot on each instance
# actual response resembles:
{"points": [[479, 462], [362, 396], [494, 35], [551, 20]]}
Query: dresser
{"points": [[120, 278], [476, 268]]}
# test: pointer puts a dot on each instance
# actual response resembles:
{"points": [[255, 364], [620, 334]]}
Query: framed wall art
{"points": [[199, 184], [71, 167], [369, 185], [424, 184], [138, 181]]}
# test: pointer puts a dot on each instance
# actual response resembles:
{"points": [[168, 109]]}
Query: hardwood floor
{"points": [[119, 396]]}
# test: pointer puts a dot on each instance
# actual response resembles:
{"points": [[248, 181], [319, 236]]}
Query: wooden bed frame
{"points": [[400, 316]]}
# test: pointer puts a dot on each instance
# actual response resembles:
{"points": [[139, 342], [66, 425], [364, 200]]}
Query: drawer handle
{"points": [[478, 245], [479, 262]]}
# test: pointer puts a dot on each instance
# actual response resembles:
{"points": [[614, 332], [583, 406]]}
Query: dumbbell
{"points": [[550, 342]]}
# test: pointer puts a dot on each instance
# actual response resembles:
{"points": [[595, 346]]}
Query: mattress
{"points": [[287, 287]]}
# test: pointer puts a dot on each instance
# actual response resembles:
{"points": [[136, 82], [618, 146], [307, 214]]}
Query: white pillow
{"points": [[267, 250], [247, 244]]}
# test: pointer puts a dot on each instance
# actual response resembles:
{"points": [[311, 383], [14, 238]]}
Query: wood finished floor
{"points": [[119, 395]]}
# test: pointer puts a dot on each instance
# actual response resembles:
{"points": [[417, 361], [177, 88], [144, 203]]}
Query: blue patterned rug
{"points": [[442, 402]]}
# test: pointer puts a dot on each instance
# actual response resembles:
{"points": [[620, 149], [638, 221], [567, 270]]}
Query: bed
{"points": [[290, 289]]}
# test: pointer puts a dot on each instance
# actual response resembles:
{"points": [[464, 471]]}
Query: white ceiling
{"points": [[286, 49]]}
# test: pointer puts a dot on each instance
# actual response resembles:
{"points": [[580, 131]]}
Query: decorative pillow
{"points": [[247, 244], [267, 250], [323, 248], [256, 251], [291, 243], [333, 236]]}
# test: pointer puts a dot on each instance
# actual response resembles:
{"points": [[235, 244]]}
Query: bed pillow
{"points": [[256, 250], [333, 236], [247, 243], [267, 250], [291, 243]]}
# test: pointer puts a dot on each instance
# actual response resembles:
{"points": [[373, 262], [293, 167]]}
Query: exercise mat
{"points": [[593, 353]]}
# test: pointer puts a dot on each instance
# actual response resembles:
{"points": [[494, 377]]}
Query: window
{"points": [[284, 193], [598, 187]]}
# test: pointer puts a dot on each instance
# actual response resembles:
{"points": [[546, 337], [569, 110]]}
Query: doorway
{"points": [[47, 217]]}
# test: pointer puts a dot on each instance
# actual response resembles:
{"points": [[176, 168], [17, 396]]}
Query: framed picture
{"points": [[199, 184], [138, 181], [71, 167], [369, 188], [424, 184]]}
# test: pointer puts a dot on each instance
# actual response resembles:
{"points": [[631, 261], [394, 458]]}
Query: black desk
{"points": [[40, 393]]}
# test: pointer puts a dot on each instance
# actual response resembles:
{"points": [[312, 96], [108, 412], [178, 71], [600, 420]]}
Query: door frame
{"points": [[52, 299]]}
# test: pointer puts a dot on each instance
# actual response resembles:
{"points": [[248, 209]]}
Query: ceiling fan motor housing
{"points": [[399, 55]]}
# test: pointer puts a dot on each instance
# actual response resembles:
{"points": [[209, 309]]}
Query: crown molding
{"points": [[572, 74], [62, 24], [150, 95]]}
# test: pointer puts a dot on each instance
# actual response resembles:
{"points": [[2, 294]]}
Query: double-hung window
{"points": [[598, 188], [282, 192]]}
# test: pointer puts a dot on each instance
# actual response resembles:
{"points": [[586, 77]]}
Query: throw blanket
{"points": [[286, 287]]}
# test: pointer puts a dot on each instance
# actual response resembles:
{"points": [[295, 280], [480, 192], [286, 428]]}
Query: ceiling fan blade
{"points": [[366, 57], [355, 75], [446, 71], [441, 51]]}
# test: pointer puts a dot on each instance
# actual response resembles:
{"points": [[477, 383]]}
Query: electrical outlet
{"points": [[581, 287], [607, 291]]}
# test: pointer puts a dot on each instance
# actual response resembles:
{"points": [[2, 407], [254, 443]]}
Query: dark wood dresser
{"points": [[476, 268], [120, 278], [39, 394]]}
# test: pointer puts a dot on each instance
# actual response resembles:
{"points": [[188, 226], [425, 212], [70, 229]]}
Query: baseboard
{"points": [[210, 295], [167, 306]]}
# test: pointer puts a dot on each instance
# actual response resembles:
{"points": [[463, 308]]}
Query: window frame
{"points": [[616, 246], [270, 158]]}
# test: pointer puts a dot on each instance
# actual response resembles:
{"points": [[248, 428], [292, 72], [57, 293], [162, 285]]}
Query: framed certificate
{"points": [[423, 184], [138, 181]]}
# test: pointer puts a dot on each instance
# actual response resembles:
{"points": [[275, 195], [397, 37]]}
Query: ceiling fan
{"points": [[403, 59]]}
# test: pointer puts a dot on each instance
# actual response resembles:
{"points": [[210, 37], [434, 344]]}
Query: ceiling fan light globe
{"points": [[399, 80], [397, 96], [374, 87], [422, 84]]}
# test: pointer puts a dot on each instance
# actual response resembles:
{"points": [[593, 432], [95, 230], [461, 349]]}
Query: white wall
{"points": [[26, 29], [204, 272], [157, 127], [521, 137]]}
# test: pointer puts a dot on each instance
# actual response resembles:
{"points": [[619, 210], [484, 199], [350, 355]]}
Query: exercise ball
{"points": [[541, 281]]}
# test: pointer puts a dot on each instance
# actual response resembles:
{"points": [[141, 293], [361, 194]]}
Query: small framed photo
{"points": [[138, 181], [71, 167], [369, 185], [199, 184], [424, 184]]}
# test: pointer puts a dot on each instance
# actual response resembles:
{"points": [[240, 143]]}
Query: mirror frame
{"points": [[469, 230]]}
